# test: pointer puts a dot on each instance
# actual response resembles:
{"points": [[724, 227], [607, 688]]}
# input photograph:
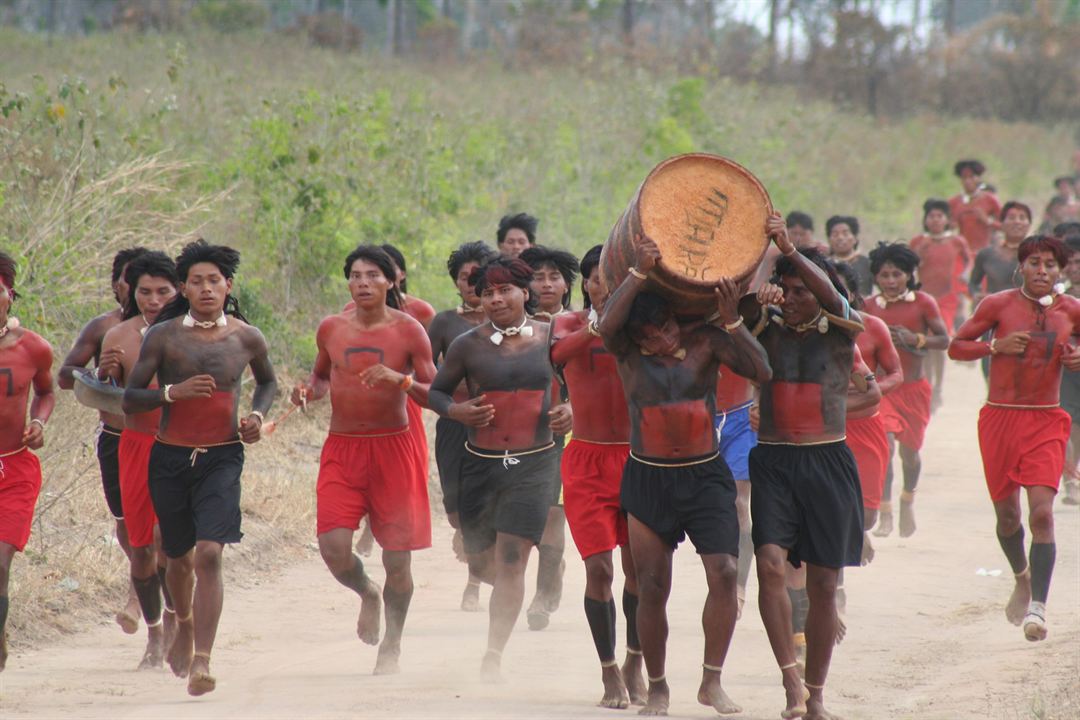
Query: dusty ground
{"points": [[927, 637]]}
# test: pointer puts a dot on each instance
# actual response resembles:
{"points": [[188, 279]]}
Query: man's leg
{"points": [[885, 526], [775, 608], [209, 598], [1041, 558], [1010, 535], [869, 518], [470, 597], [600, 612], [396, 597], [632, 665], [718, 622], [335, 546], [7, 553], [936, 366], [1071, 482], [652, 559], [366, 543], [795, 579], [510, 559], [128, 617], [821, 626], [912, 465], [180, 579], [147, 584], [746, 542], [549, 570]]}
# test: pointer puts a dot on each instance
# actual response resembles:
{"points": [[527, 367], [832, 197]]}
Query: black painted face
{"points": [[799, 304], [662, 340]]}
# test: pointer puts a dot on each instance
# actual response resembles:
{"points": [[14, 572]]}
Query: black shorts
{"points": [[682, 500], [196, 500], [108, 455], [499, 495], [556, 476], [808, 500], [450, 437]]}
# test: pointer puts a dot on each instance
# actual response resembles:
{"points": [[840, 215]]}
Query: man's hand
{"points": [[561, 419], [109, 363], [1013, 344], [379, 374], [199, 386], [251, 429], [727, 300], [33, 436], [776, 230], [1070, 357], [769, 294], [300, 395], [902, 336], [474, 412], [646, 254]]}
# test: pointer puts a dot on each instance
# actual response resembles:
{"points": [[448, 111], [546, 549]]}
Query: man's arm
{"points": [[44, 400], [975, 279], [567, 345], [965, 344], [817, 282], [85, 349], [890, 373], [617, 308], [475, 412], [436, 334], [734, 345], [265, 385], [415, 385], [318, 382], [138, 398], [861, 399]]}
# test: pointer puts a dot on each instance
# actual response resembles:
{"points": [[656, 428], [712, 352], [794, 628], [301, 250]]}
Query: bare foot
{"points": [[368, 625], [491, 667], [366, 542], [712, 695], [128, 620], [154, 655], [1018, 602], [800, 659], [200, 681], [841, 600], [470, 599], [458, 545], [797, 695], [182, 648], [867, 550], [841, 629], [554, 596], [658, 700], [815, 710], [885, 524], [1035, 622], [168, 624], [3, 650], [387, 662], [1072, 492], [634, 680], [907, 518], [538, 614], [615, 693]]}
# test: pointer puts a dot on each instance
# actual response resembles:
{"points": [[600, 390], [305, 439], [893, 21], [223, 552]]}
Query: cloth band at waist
{"points": [[663, 462], [495, 455]]}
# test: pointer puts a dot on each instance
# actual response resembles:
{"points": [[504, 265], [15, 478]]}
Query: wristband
{"points": [[792, 251], [593, 329], [165, 394], [920, 341], [733, 326], [40, 423], [638, 274], [259, 415], [993, 346], [406, 383]]}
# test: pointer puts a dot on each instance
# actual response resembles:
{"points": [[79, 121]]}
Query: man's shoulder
{"points": [[98, 326]]}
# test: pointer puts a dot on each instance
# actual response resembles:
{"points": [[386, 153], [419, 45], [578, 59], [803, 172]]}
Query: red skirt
{"points": [[139, 514], [20, 484], [906, 412], [1022, 447], [592, 478], [379, 476], [870, 446]]}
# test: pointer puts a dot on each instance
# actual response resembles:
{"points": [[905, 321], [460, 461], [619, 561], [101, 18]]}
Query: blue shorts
{"points": [[737, 439]]}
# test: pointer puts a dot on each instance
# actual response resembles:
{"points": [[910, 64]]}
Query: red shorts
{"points": [[949, 304], [868, 443], [1022, 447], [906, 413], [20, 483], [379, 476], [592, 478], [139, 514]]}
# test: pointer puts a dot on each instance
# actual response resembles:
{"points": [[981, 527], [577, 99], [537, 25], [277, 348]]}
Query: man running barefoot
{"points": [[865, 428], [916, 326], [450, 435], [88, 348], [995, 267], [592, 469], [511, 457], [805, 501], [152, 279], [554, 272], [675, 483], [25, 365], [975, 210], [515, 234], [1022, 430], [198, 349], [367, 361]]}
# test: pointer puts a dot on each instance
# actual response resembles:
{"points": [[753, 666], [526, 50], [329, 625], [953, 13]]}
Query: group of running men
{"points": [[764, 430]]}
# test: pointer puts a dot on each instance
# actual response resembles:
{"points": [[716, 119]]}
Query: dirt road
{"points": [[927, 637]]}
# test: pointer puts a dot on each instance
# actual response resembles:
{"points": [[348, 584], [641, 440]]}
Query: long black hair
{"points": [[223, 257], [8, 270], [785, 267], [851, 280], [522, 221], [478, 252], [538, 256], [590, 261], [898, 255], [153, 263], [378, 257], [399, 260]]}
